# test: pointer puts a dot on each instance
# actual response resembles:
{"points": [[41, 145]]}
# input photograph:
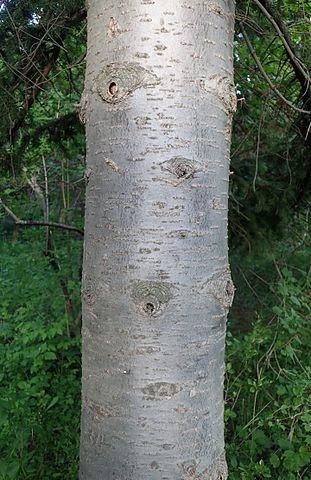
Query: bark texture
{"points": [[158, 105]]}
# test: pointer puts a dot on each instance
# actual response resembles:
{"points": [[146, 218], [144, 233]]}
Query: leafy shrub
{"points": [[268, 417], [267, 413], [40, 372]]}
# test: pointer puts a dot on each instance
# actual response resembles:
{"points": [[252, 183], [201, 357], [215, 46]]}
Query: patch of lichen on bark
{"points": [[151, 297], [222, 288], [161, 390], [117, 81], [181, 166], [224, 89], [217, 471], [89, 290]]}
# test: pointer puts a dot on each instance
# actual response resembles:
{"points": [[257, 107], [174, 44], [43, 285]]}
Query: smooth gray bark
{"points": [[158, 105]]}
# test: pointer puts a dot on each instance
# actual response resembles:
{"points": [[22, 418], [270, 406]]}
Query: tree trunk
{"points": [[158, 105]]}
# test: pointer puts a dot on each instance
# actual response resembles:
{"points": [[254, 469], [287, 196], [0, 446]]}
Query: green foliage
{"points": [[39, 345], [42, 141], [270, 155], [39, 39], [40, 370], [268, 369], [268, 389]]}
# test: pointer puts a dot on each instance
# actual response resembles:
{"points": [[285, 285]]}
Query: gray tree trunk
{"points": [[158, 105]]}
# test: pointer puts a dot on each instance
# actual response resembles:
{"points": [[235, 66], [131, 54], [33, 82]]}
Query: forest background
{"points": [[42, 183]]}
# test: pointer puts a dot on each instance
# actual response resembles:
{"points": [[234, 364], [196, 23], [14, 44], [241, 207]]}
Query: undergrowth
{"points": [[39, 373], [268, 389], [267, 409]]}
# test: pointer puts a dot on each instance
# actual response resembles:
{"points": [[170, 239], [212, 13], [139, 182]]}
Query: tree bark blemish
{"points": [[113, 165], [87, 175], [161, 390], [223, 88], [159, 47], [100, 411], [118, 80], [151, 297], [189, 468], [147, 350], [227, 131], [141, 122], [214, 8], [222, 288], [114, 29], [83, 107], [141, 55], [154, 465], [217, 471], [168, 446], [218, 204], [180, 167], [182, 234], [181, 409], [89, 291]]}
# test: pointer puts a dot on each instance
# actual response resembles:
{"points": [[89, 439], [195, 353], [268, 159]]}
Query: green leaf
{"points": [[261, 438], [9, 470], [50, 356], [284, 443], [274, 460], [53, 402]]}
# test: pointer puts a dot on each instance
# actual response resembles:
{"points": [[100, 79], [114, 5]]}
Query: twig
{"points": [[258, 147], [250, 287], [47, 207], [262, 70], [288, 48], [32, 181], [33, 223], [277, 268]]}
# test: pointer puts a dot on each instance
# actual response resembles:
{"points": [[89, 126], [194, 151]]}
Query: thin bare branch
{"points": [[33, 223], [266, 77], [281, 32], [258, 146]]}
